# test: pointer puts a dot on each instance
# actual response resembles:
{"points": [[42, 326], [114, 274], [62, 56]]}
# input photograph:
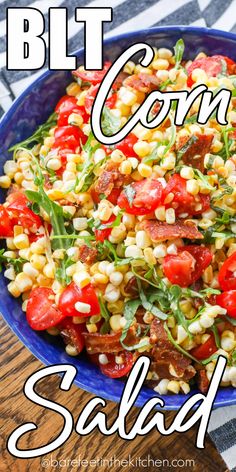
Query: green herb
{"points": [[116, 222], [233, 357], [216, 336], [149, 306], [209, 359], [231, 320], [177, 346], [204, 179], [130, 194], [172, 138], [17, 263], [110, 123], [129, 313], [206, 292], [165, 84], [153, 155], [39, 135], [191, 119], [55, 214], [179, 51], [84, 179], [61, 274]]}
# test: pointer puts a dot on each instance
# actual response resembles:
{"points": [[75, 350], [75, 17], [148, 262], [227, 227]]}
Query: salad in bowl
{"points": [[130, 249]]}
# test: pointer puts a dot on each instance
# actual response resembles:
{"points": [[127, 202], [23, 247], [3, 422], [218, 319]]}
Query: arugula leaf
{"points": [[55, 213], [116, 222], [129, 313], [153, 155], [231, 320], [17, 263], [179, 51], [216, 336], [209, 359], [177, 346], [204, 179], [61, 274], [172, 138], [84, 179], [110, 123], [39, 135]]}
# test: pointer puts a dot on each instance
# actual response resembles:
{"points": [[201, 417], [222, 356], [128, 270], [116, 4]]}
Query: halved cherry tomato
{"points": [[90, 97], [92, 76], [68, 137], [125, 146], [183, 201], [73, 294], [226, 277], [228, 301], [6, 226], [113, 197], [72, 333], [65, 107], [205, 350], [147, 197], [19, 210], [187, 266], [114, 370], [212, 65], [41, 312], [102, 234]]}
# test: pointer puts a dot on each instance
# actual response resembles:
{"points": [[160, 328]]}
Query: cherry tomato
{"points": [[147, 197], [228, 301], [72, 333], [205, 350], [6, 226], [68, 137], [127, 144], [65, 107], [114, 370], [212, 65], [92, 76], [19, 210], [226, 277], [113, 197], [102, 234], [90, 97], [187, 266], [183, 201], [41, 312], [73, 294]]}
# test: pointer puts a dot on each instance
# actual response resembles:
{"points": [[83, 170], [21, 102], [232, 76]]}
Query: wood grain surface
{"points": [[17, 364]]}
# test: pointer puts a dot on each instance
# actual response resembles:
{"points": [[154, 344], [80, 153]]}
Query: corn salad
{"points": [[130, 249]]}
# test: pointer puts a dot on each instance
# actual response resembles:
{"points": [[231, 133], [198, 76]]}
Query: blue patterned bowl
{"points": [[31, 109]]}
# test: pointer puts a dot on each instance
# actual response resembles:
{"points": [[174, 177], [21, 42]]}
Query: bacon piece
{"points": [[160, 231], [131, 288], [202, 381], [110, 178], [142, 82], [193, 149], [87, 254], [165, 356], [101, 343]]}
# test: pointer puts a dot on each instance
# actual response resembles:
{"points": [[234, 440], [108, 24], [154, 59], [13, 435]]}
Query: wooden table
{"points": [[17, 364]]}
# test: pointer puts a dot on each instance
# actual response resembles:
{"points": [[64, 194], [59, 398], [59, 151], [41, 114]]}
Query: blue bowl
{"points": [[31, 109]]}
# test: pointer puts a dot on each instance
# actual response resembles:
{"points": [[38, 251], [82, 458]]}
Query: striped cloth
{"points": [[130, 15]]}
